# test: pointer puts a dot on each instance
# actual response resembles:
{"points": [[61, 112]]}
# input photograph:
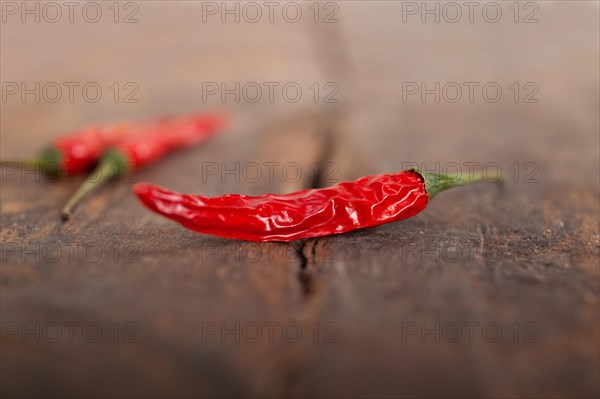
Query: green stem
{"points": [[436, 183], [112, 164]]}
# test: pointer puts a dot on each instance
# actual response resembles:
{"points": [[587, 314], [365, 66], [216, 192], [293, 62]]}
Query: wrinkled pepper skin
{"points": [[367, 202]]}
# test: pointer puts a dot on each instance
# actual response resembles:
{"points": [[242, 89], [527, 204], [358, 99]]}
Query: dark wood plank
{"points": [[169, 284], [520, 257], [69, 273], [528, 251]]}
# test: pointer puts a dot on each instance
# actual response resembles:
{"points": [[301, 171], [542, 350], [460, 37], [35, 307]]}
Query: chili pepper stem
{"points": [[436, 183], [111, 166]]}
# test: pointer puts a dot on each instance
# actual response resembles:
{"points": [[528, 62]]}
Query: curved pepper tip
{"points": [[141, 188], [143, 191], [150, 193]]}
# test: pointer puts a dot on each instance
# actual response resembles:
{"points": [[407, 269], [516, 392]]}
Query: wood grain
{"points": [[520, 257]]}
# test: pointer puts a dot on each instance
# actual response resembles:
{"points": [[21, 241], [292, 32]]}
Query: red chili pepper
{"points": [[367, 202], [155, 141], [77, 152], [145, 145]]}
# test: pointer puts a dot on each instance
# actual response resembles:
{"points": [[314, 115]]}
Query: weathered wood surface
{"points": [[526, 252]]}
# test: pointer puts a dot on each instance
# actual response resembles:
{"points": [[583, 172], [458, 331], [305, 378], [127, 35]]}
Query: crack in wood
{"points": [[307, 256], [306, 250]]}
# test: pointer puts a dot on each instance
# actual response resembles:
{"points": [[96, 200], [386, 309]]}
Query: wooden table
{"points": [[493, 291]]}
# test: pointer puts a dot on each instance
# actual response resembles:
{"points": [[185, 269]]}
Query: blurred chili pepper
{"points": [[77, 152], [145, 145], [367, 202]]}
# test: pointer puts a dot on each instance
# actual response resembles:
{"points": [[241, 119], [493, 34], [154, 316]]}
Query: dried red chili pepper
{"points": [[145, 145], [77, 152], [367, 202]]}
